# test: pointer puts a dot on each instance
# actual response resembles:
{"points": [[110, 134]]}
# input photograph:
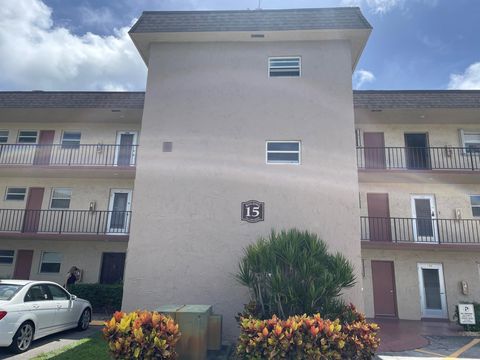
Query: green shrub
{"points": [[104, 298], [310, 338], [476, 327], [292, 273], [141, 335]]}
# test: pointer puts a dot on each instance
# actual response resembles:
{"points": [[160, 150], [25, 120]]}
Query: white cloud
{"points": [[377, 6], [36, 54], [385, 6], [362, 77], [469, 80]]}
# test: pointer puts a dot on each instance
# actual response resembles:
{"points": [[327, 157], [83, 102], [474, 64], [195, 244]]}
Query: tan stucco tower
{"points": [[212, 104]]}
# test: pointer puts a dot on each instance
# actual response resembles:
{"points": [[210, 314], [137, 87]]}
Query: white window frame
{"points": [[67, 145], [284, 151], [7, 192], [43, 262], [473, 206], [284, 58], [52, 198], [462, 138], [36, 137], [4, 136], [7, 256]]}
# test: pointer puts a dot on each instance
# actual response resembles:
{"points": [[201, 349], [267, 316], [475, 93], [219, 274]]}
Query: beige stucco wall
{"points": [[439, 135], [215, 102], [84, 190], [457, 267], [448, 197], [92, 133], [86, 255]]}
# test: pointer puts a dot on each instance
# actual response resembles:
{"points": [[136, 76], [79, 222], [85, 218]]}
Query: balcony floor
{"points": [[95, 172]]}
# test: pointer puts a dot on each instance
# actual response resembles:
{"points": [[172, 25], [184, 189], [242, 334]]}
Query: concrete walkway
{"points": [[401, 335]]}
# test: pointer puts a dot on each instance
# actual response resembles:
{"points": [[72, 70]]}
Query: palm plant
{"points": [[292, 272]]}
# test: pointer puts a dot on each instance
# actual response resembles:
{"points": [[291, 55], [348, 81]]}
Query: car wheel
{"points": [[84, 321], [23, 338]]}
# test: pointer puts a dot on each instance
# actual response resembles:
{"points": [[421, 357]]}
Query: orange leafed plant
{"points": [[308, 337], [141, 335]]}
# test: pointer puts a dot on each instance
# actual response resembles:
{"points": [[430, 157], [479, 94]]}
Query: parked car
{"points": [[30, 310]]}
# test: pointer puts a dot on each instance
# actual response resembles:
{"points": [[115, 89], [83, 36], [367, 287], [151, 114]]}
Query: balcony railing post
{"points": [[61, 223]]}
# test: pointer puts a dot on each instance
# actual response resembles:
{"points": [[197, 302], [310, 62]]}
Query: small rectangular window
{"points": [[51, 262], [471, 141], [284, 66], [3, 136], [71, 139], [27, 137], [475, 201], [6, 256], [283, 152], [15, 193], [60, 198]]}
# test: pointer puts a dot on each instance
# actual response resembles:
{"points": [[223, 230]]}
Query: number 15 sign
{"points": [[252, 211]]}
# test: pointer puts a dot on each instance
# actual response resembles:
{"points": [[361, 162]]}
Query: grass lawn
{"points": [[90, 348]]}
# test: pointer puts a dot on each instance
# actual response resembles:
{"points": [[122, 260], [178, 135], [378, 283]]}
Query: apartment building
{"points": [[67, 170], [418, 159], [242, 111], [248, 123]]}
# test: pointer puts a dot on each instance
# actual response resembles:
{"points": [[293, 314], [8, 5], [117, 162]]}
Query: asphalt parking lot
{"points": [[440, 347], [49, 343]]}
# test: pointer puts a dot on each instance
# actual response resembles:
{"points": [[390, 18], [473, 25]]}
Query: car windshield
{"points": [[7, 291]]}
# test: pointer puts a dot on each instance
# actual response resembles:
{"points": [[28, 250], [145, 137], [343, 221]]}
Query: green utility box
{"points": [[201, 330]]}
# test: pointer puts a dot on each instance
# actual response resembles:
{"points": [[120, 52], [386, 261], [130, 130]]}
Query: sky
{"points": [[84, 44]]}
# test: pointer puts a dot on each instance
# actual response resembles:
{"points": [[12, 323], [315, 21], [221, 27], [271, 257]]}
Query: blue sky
{"points": [[84, 45]]}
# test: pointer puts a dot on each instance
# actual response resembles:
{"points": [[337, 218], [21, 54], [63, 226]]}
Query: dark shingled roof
{"points": [[251, 20], [71, 99], [416, 99]]}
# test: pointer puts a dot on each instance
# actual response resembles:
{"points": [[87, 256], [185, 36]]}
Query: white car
{"points": [[30, 310]]}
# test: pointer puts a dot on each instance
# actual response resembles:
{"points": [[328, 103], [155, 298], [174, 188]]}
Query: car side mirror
{"points": [[73, 297]]}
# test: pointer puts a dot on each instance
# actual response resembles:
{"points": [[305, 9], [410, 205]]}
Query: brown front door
{"points": [[379, 222], [44, 148], [113, 265], [23, 265], [33, 210], [384, 292], [374, 145]]}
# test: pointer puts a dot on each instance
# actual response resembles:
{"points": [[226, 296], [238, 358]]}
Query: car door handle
{"points": [[35, 306], [59, 306]]}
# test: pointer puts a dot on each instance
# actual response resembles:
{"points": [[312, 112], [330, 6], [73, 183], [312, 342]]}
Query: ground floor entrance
{"points": [[98, 261], [419, 283]]}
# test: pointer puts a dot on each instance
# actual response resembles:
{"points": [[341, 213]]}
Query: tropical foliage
{"points": [[292, 272], [141, 335], [307, 337]]}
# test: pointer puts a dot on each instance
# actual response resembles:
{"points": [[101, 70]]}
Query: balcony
{"points": [[410, 158], [28, 158], [404, 232], [64, 224]]}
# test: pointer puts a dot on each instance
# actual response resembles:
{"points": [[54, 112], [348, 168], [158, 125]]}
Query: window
{"points": [[471, 141], [475, 201], [15, 193], [6, 256], [51, 262], [283, 152], [284, 66], [37, 293], [7, 291], [71, 139], [27, 137], [57, 292], [3, 136], [60, 198]]}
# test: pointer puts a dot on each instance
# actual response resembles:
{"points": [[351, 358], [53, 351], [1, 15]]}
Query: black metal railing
{"points": [[64, 221], [421, 230], [418, 158], [68, 155]]}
